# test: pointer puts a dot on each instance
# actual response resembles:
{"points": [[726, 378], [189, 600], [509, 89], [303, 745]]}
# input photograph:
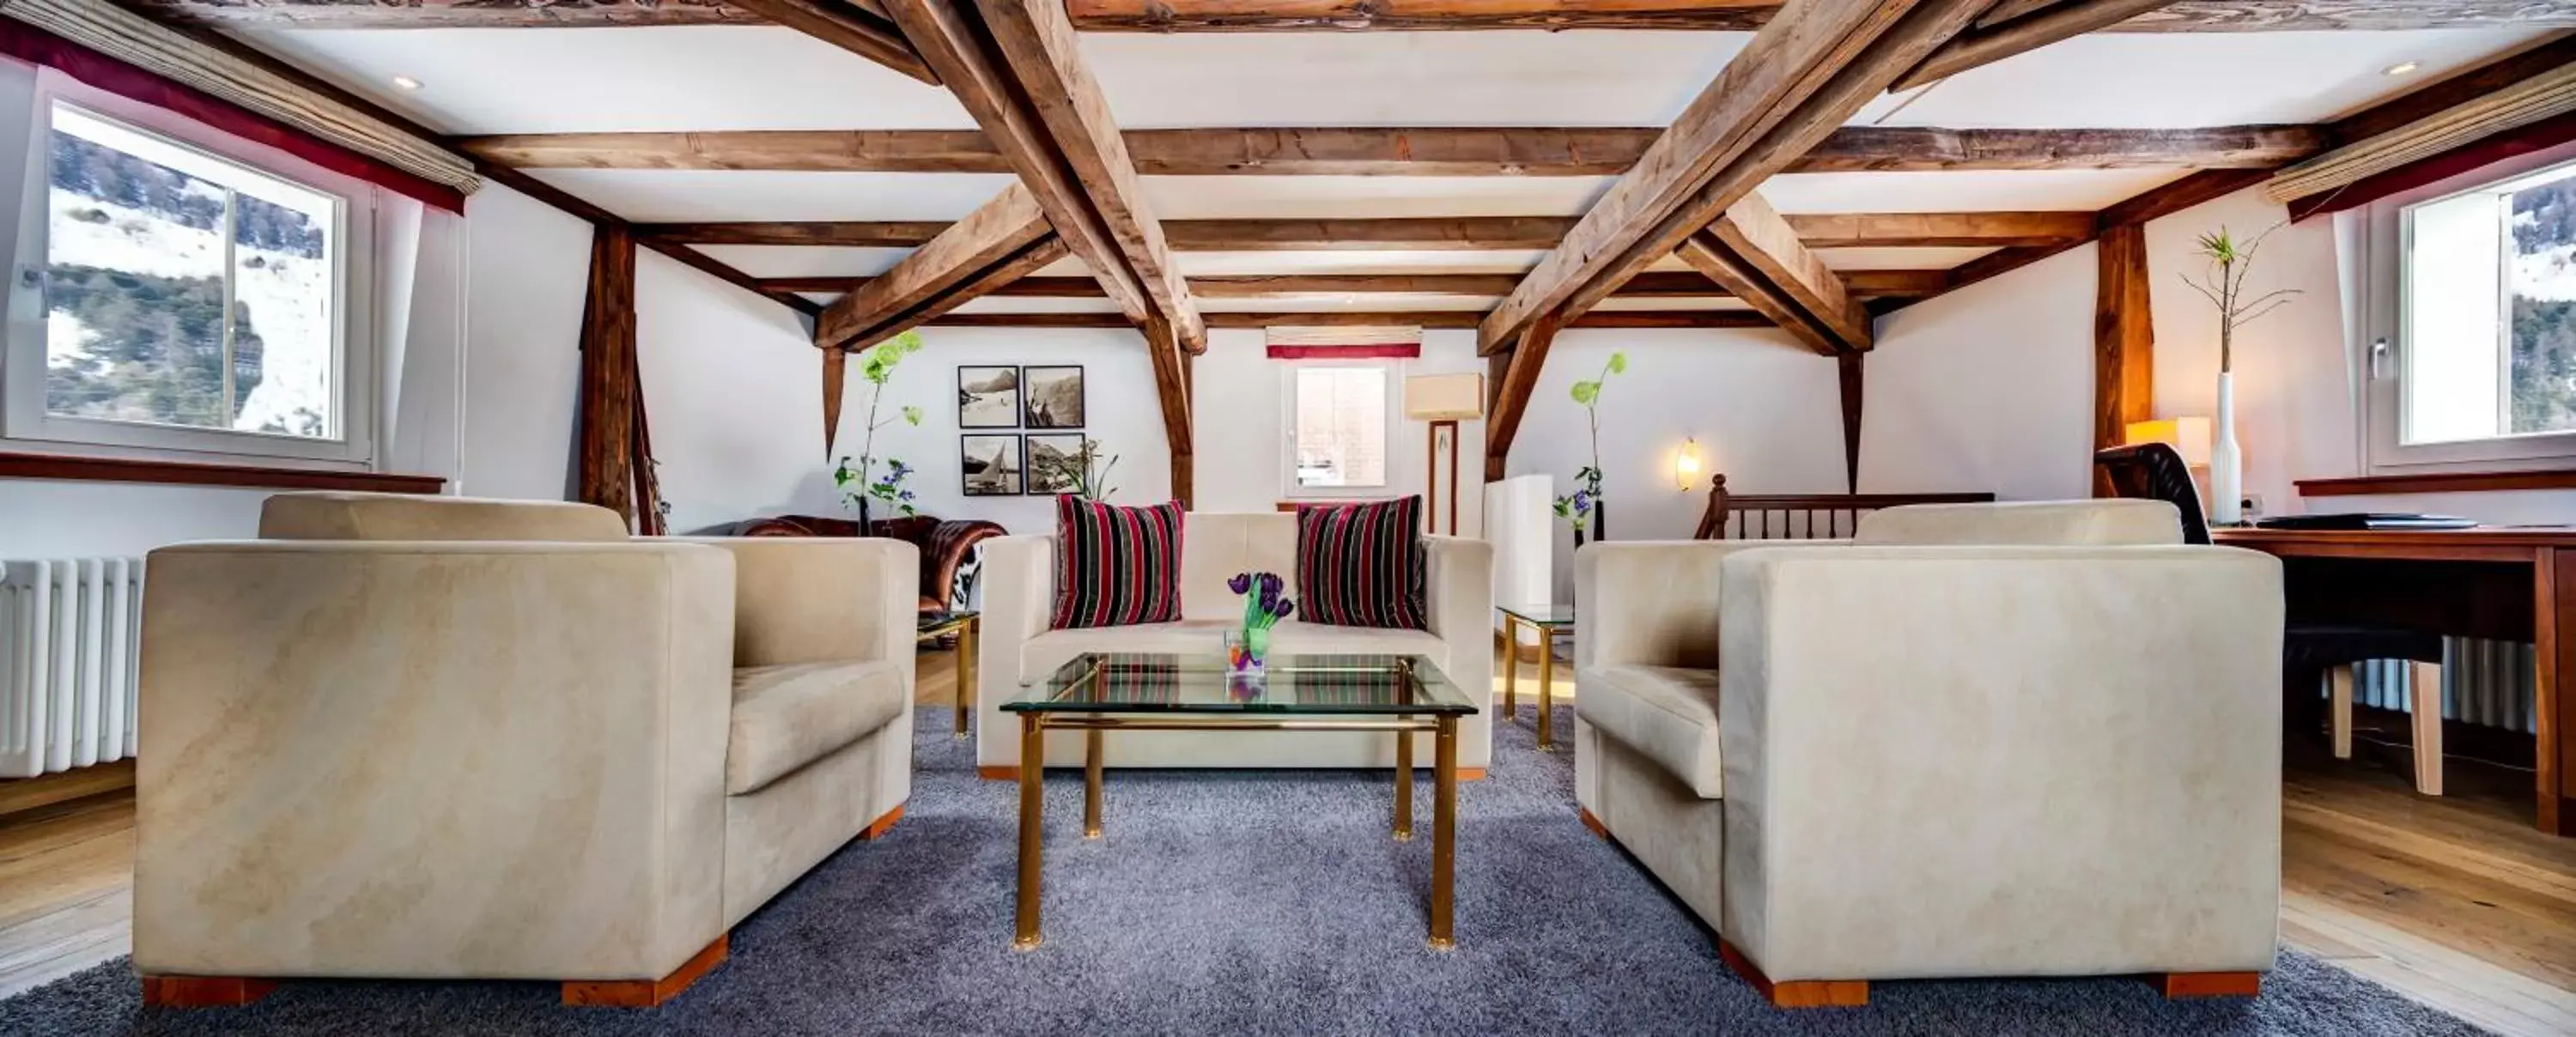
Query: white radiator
{"points": [[2483, 682], [69, 631]]}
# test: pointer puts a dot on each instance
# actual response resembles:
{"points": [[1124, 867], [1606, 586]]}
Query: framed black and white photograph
{"points": [[1053, 396], [988, 397], [1054, 463], [990, 465]]}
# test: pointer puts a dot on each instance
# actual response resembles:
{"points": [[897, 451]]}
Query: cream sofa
{"points": [[1975, 740], [1017, 647], [418, 737]]}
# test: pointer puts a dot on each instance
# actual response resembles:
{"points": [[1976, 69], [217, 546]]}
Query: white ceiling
{"points": [[748, 77], [710, 77]]}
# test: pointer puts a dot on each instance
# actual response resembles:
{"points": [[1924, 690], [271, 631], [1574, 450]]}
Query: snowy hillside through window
{"points": [[148, 310]]}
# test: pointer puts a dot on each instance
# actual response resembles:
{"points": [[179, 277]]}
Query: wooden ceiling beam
{"points": [[1801, 76], [1433, 233], [1004, 234], [1448, 319], [1754, 252], [2035, 28], [1434, 151], [1039, 47], [951, 40], [1653, 284], [2209, 185], [1745, 15], [868, 35]]}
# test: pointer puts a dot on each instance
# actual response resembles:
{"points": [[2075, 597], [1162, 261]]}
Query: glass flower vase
{"points": [[1247, 650]]}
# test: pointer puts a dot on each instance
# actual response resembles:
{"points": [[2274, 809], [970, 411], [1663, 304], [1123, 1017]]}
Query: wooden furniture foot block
{"points": [[2211, 984], [646, 993], [1592, 823], [203, 991], [1804, 993], [878, 827]]}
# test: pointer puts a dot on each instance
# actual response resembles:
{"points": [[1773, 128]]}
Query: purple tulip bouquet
{"points": [[1265, 603]]}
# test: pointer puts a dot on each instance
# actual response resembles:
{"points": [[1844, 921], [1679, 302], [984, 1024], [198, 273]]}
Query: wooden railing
{"points": [[1802, 516]]}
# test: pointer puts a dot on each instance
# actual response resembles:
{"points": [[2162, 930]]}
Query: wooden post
{"points": [[1850, 364], [606, 469], [2124, 341]]}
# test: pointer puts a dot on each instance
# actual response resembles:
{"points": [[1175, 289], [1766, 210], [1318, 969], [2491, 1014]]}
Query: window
{"points": [[171, 296], [1339, 419]]}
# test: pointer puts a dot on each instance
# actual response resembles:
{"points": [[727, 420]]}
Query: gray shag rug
{"points": [[1237, 903]]}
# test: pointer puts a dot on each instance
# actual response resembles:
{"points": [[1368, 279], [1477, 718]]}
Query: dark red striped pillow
{"points": [[1116, 566], [1361, 565]]}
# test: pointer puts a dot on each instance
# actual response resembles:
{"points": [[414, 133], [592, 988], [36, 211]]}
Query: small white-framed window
{"points": [[1341, 415], [2470, 324], [174, 289]]}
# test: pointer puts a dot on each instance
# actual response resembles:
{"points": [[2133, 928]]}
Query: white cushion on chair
{"points": [[1666, 713]]}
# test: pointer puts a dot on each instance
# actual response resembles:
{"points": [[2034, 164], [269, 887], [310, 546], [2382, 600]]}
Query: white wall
{"points": [[2294, 406], [1243, 426], [1766, 412], [1986, 388], [733, 387], [1122, 410], [529, 269]]}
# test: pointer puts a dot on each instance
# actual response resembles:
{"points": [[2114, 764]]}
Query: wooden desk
{"points": [[2503, 584]]}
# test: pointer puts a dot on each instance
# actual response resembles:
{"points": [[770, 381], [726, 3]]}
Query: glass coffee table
{"points": [[1544, 621], [1101, 692]]}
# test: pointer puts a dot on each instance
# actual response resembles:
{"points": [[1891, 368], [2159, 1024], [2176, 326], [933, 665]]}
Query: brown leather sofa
{"points": [[948, 558]]}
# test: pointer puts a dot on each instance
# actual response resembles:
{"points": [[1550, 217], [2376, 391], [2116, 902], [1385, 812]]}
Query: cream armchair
{"points": [[444, 738], [1979, 740], [1016, 646]]}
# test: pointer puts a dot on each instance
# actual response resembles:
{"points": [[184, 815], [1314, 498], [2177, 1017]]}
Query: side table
{"points": [[1545, 621]]}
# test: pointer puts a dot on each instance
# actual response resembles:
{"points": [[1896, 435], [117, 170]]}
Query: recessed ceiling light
{"points": [[2402, 68], [406, 83]]}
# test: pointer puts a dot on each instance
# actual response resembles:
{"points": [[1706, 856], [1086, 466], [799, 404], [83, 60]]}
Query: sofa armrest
{"points": [[413, 759], [1652, 602], [1019, 601], [2001, 760], [949, 545], [1458, 592], [803, 600]]}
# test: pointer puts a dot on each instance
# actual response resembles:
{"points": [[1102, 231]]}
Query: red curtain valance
{"points": [[36, 46], [1350, 351], [2485, 151]]}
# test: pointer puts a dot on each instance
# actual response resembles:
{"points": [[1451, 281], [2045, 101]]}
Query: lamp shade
{"points": [[1444, 397], [2189, 436]]}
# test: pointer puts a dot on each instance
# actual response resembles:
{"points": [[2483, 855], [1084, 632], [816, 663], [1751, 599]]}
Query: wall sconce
{"points": [[1686, 465]]}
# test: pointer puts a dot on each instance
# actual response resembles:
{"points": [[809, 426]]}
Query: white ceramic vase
{"points": [[2226, 462]]}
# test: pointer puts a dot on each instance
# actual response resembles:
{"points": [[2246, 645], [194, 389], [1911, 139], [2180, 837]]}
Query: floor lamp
{"points": [[1443, 400]]}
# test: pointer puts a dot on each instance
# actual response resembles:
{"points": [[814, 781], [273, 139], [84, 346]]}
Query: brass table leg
{"points": [[966, 671], [1444, 832], [1403, 784], [1091, 784], [1032, 825], [1511, 667], [1546, 691]]}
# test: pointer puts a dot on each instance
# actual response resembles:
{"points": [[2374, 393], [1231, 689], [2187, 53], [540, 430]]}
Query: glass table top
{"points": [[1146, 682], [942, 622], [1541, 615]]}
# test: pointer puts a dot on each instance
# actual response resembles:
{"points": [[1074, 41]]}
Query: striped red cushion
{"points": [[1361, 565], [1116, 566]]}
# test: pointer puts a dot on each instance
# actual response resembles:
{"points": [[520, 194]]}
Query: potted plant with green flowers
{"points": [[863, 484]]}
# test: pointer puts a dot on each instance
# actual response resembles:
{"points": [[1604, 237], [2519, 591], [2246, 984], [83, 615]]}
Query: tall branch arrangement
{"points": [[1578, 507], [860, 483], [2223, 284]]}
